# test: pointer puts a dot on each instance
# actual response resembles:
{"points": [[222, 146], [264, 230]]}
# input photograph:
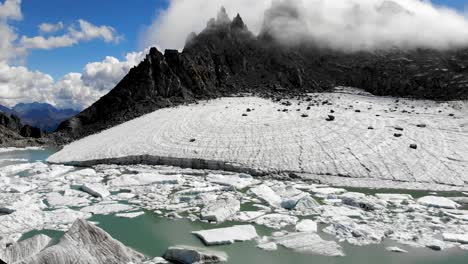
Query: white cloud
{"points": [[40, 42], [172, 26], [341, 24], [50, 27], [76, 90], [85, 32], [10, 9], [88, 31], [104, 75]]}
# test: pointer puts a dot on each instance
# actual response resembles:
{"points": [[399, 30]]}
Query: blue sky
{"points": [[129, 18]]}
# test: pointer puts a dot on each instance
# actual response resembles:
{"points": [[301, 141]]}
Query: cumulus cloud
{"points": [[10, 9], [75, 90], [50, 27], [349, 25], [85, 31], [104, 75], [88, 31]]}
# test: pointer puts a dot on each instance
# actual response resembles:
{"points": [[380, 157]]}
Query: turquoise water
{"points": [[29, 155], [151, 235]]}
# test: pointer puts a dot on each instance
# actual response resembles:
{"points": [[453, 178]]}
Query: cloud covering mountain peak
{"points": [[350, 25]]}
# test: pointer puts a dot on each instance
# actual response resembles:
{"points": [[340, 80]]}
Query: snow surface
{"points": [[215, 135]]}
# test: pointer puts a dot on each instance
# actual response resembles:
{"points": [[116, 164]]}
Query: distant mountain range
{"points": [[40, 115]]}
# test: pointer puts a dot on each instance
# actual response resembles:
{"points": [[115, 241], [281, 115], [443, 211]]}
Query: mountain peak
{"points": [[223, 17], [238, 23]]}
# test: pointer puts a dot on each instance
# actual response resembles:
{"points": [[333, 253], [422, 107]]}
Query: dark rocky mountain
{"points": [[42, 115], [15, 134], [5, 109], [226, 59]]}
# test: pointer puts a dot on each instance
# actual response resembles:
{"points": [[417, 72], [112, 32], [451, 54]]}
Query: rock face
{"points": [[86, 243], [189, 255], [14, 134], [227, 59]]}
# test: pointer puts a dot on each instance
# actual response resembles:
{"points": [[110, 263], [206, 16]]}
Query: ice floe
{"points": [[227, 235]]}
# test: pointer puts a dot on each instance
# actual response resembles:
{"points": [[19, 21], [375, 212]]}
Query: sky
{"points": [[70, 53]]}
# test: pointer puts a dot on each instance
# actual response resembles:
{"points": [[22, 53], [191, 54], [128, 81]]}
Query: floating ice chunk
{"points": [[11, 202], [247, 216], [21, 188], [227, 235], [396, 249], [57, 200], [310, 243], [269, 246], [334, 211], [239, 181], [194, 191], [95, 189], [144, 179], [106, 208], [63, 216], [306, 225], [83, 173], [354, 233], [394, 196], [439, 202], [327, 191], [193, 255], [17, 168], [307, 206], [360, 200], [266, 194], [130, 215], [221, 209], [126, 196], [276, 221], [458, 238]]}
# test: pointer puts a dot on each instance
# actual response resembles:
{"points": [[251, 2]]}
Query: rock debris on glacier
{"points": [[272, 141]]}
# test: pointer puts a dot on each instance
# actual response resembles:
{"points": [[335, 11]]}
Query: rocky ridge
{"points": [[15, 134]]}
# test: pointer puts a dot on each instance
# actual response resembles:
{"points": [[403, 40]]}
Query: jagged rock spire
{"points": [[223, 17], [238, 23]]}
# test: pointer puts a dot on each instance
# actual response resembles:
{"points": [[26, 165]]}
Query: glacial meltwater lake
{"points": [[152, 234]]}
